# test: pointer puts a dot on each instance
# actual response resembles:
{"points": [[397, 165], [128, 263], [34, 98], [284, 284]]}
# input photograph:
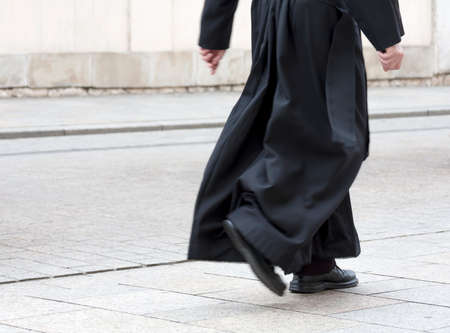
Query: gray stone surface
{"points": [[406, 315], [168, 69], [69, 289], [384, 286], [208, 312], [364, 328], [97, 320], [442, 330], [325, 303], [145, 301], [13, 70], [200, 282], [89, 203], [119, 217], [268, 320], [114, 109], [435, 294], [70, 116], [440, 258], [11, 329], [17, 306], [59, 70], [110, 70]]}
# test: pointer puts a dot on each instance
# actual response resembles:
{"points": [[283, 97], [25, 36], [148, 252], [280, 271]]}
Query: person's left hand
{"points": [[392, 59], [212, 58]]}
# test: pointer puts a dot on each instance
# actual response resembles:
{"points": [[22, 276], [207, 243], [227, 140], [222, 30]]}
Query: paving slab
{"points": [[440, 258], [435, 294], [275, 320], [208, 312], [364, 277], [224, 269], [113, 202], [384, 286], [104, 222], [68, 289], [97, 320], [14, 307], [364, 328], [428, 272], [174, 279], [145, 301], [11, 329], [35, 266], [402, 248], [404, 315], [442, 330], [323, 303]]}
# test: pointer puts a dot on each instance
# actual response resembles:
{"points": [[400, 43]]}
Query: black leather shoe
{"points": [[335, 279], [263, 270]]}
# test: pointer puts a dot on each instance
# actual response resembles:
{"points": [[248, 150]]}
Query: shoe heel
{"points": [[306, 288]]}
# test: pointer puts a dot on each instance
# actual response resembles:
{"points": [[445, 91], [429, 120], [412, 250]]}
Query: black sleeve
{"points": [[380, 20], [217, 23]]}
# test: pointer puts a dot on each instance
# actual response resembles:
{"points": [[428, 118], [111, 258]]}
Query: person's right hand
{"points": [[392, 59], [212, 58]]}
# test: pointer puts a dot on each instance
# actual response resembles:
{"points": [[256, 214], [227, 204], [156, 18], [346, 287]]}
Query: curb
{"points": [[21, 133]]}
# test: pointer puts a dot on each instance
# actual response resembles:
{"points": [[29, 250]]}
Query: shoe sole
{"points": [[258, 267], [308, 288]]}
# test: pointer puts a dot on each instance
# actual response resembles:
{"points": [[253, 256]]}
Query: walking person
{"points": [[275, 191]]}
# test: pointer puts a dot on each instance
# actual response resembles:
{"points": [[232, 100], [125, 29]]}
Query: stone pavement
{"points": [[94, 231], [115, 114]]}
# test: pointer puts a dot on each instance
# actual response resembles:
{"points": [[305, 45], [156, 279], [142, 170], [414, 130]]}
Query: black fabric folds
{"points": [[295, 140]]}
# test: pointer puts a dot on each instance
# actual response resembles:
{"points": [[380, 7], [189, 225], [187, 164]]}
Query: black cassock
{"points": [[295, 140]]}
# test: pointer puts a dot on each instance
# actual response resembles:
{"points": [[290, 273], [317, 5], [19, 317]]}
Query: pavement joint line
{"points": [[78, 150], [409, 301], [439, 328], [330, 315], [405, 236], [106, 270], [379, 294], [372, 307], [145, 127], [405, 278], [147, 315], [235, 277], [205, 295], [2, 323], [408, 130], [192, 324], [376, 323]]}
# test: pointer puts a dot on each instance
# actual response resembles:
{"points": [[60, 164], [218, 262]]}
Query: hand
{"points": [[392, 59], [212, 58]]}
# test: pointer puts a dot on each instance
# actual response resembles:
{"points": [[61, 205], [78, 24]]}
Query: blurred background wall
{"points": [[77, 46]]}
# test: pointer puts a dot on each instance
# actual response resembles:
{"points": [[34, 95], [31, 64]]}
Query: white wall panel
{"points": [[442, 36], [241, 37], [52, 26], [418, 22], [20, 26], [57, 25], [151, 25], [186, 19], [101, 25]]}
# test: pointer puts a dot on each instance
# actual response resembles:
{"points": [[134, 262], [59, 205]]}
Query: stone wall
{"points": [[96, 46]]}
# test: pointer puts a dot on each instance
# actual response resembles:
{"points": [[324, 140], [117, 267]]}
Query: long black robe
{"points": [[295, 140]]}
